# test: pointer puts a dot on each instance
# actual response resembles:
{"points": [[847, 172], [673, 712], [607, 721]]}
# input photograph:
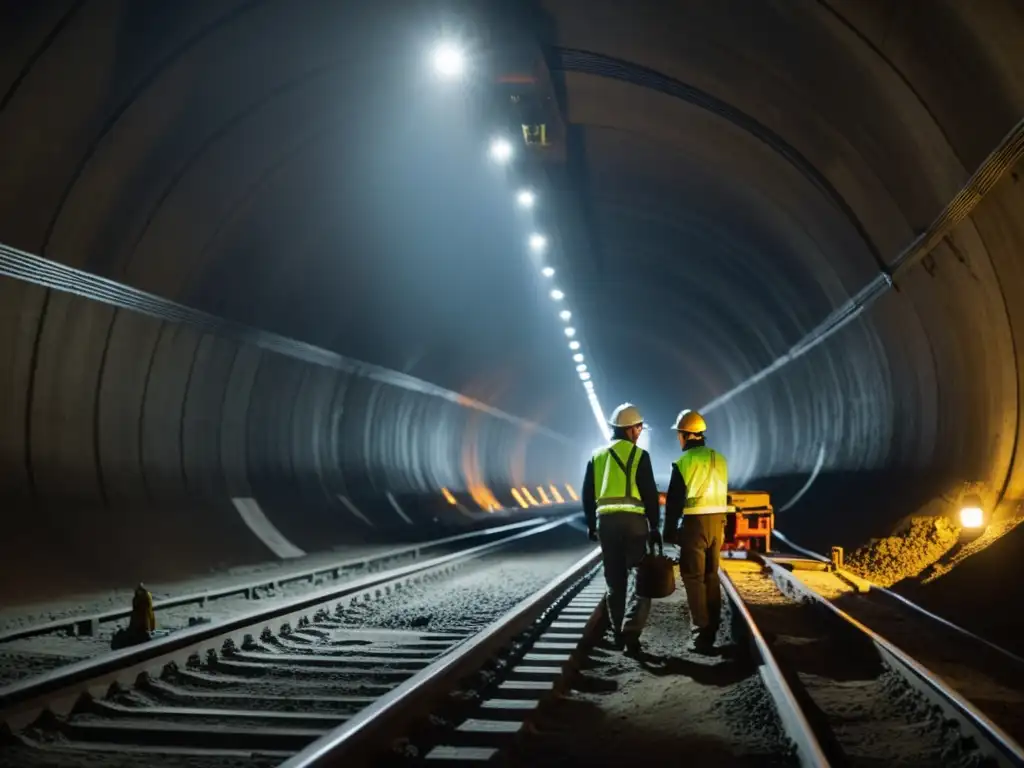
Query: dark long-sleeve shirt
{"points": [[675, 501], [645, 486]]}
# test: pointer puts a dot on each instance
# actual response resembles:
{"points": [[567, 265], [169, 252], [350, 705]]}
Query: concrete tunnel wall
{"points": [[145, 431], [893, 106], [172, 149]]}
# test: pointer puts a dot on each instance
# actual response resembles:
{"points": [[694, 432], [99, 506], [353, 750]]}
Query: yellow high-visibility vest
{"points": [[706, 474], [615, 478]]}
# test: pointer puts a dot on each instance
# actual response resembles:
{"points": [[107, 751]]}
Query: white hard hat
{"points": [[626, 415]]}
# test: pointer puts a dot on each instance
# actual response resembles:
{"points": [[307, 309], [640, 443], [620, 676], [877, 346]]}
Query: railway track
{"points": [[258, 688], [849, 695], [41, 646]]}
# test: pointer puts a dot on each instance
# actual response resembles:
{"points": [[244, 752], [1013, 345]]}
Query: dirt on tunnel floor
{"points": [[671, 707], [907, 553]]}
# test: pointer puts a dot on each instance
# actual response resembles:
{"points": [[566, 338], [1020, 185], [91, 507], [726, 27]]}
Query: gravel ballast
{"points": [[671, 707]]}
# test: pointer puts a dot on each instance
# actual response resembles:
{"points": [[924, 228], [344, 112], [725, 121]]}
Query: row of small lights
{"points": [[450, 62], [526, 499]]}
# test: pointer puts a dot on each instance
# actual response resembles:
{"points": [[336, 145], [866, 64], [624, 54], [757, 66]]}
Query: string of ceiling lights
{"points": [[450, 63]]}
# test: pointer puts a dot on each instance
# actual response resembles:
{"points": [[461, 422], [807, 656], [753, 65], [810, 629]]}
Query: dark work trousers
{"points": [[623, 538], [699, 550]]}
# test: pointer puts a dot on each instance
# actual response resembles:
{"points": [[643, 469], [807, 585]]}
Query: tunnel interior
{"points": [[722, 179]]}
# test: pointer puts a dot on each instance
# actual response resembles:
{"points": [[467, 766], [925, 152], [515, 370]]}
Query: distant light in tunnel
{"points": [[581, 367], [574, 345], [449, 61], [543, 495], [565, 314], [519, 499], [529, 496], [570, 331], [578, 357], [526, 198], [501, 150], [556, 495], [538, 242], [584, 376], [557, 295], [571, 492], [548, 272]]}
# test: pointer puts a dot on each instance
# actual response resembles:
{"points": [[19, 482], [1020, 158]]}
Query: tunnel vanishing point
{"points": [[259, 273]]}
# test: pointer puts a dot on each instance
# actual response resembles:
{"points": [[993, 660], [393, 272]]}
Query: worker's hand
{"points": [[592, 534], [654, 538]]}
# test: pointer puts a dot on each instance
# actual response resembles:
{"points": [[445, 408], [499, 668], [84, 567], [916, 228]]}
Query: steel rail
{"points": [[910, 604], [248, 587], [58, 691], [356, 741], [794, 722], [991, 739]]}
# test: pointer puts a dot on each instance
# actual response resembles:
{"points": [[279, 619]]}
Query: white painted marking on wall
{"points": [[398, 509], [355, 510], [810, 480], [259, 524]]}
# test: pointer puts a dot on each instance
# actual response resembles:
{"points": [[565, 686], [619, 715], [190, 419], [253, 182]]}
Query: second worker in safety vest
{"points": [[698, 492], [620, 500]]}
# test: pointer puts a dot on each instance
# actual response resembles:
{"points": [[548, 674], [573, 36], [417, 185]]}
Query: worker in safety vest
{"points": [[697, 492], [620, 500]]}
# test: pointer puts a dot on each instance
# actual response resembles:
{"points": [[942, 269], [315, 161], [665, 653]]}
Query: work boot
{"points": [[704, 641], [632, 644]]}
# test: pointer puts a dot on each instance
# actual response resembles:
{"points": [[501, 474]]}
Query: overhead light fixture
{"points": [[581, 367], [570, 331], [584, 376], [565, 314], [526, 198], [538, 242], [449, 61], [574, 345], [578, 357], [557, 295], [501, 150], [548, 272]]}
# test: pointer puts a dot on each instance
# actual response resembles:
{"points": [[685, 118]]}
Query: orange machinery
{"points": [[749, 522]]}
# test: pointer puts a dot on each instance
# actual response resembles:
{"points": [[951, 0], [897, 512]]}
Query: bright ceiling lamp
{"points": [[526, 198], [449, 61], [557, 295], [581, 367], [538, 242], [548, 272], [574, 345], [570, 331], [565, 314], [578, 357], [501, 150]]}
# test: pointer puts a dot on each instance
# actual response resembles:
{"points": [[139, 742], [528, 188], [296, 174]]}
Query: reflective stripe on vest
{"points": [[615, 478], [706, 474]]}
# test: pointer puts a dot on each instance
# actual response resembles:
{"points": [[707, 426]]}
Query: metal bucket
{"points": [[655, 576]]}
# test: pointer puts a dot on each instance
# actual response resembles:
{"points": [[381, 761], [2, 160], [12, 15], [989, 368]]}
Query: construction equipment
{"points": [[749, 522]]}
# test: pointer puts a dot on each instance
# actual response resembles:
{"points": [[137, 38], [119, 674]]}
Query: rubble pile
{"points": [[905, 554]]}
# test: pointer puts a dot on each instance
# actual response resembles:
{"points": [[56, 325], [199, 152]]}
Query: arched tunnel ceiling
{"points": [[735, 170], [745, 168], [292, 168]]}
